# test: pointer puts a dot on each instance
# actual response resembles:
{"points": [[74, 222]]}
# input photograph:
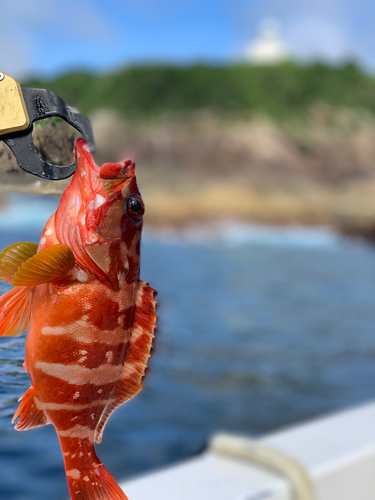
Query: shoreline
{"points": [[199, 215], [316, 173]]}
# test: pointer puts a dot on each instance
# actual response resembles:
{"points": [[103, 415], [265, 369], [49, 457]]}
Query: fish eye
{"points": [[135, 207]]}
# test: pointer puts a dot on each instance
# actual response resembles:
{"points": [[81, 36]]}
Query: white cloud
{"points": [[87, 22], [331, 30], [26, 24], [15, 58], [317, 38]]}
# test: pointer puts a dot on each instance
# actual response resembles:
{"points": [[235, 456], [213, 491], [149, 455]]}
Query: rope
{"points": [[261, 453]]}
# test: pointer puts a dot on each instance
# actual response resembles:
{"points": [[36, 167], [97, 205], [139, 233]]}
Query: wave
{"points": [[32, 212], [26, 211], [235, 234]]}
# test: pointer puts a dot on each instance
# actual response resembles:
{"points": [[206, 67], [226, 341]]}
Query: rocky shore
{"points": [[197, 167]]}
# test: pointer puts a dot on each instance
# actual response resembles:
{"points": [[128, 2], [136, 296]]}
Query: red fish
{"points": [[90, 319]]}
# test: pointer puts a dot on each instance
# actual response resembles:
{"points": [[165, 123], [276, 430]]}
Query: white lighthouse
{"points": [[268, 49]]}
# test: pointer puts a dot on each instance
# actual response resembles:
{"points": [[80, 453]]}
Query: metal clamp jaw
{"points": [[19, 109]]}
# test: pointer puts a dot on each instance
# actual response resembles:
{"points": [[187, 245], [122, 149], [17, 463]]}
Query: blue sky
{"points": [[45, 38]]}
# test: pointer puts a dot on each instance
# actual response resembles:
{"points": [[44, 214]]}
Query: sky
{"points": [[45, 38]]}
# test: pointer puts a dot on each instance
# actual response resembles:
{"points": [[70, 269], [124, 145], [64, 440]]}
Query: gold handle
{"points": [[13, 112]]}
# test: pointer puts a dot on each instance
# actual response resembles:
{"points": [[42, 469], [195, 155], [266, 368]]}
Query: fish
{"points": [[90, 319]]}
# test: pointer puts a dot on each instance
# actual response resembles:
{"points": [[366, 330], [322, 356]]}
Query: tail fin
{"points": [[94, 484], [87, 477]]}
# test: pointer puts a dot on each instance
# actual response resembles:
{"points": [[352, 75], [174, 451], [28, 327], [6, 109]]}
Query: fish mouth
{"points": [[108, 171], [82, 152], [117, 171]]}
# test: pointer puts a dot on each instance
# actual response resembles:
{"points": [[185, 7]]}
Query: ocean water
{"points": [[259, 327]]}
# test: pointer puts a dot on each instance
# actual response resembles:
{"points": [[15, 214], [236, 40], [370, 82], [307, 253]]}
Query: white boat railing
{"points": [[331, 458], [268, 456]]}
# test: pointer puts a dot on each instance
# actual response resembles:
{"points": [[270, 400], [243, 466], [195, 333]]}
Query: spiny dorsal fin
{"points": [[15, 311], [51, 264], [137, 355], [12, 258]]}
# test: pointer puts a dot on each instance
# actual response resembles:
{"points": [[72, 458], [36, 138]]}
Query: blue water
{"points": [[258, 328]]}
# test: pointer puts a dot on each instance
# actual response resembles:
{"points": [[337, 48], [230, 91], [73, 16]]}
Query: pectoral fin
{"points": [[51, 264], [12, 258], [137, 354], [15, 311]]}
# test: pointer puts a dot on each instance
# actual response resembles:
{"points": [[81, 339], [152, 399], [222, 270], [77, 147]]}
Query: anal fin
{"points": [[30, 415], [137, 355]]}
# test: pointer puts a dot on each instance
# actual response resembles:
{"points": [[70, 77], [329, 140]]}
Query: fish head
{"points": [[100, 217]]}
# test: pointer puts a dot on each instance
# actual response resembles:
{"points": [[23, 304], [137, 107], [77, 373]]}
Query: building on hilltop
{"points": [[268, 48]]}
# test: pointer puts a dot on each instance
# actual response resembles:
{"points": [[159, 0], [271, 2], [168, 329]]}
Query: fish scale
{"points": [[90, 319]]}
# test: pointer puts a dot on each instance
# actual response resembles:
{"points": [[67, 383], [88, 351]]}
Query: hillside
{"points": [[282, 92], [285, 144]]}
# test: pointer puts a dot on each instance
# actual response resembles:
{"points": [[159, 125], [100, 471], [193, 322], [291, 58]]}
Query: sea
{"points": [[259, 328]]}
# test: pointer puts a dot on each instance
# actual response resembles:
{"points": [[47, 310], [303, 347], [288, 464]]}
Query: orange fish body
{"points": [[90, 319]]}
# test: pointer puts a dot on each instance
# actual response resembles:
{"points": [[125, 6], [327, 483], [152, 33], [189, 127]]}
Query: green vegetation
{"points": [[284, 91], [53, 122]]}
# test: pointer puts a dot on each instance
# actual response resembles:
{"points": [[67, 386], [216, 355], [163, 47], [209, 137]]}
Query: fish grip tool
{"points": [[20, 107]]}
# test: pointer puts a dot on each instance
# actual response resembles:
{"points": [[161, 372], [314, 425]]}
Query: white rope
{"points": [[261, 453]]}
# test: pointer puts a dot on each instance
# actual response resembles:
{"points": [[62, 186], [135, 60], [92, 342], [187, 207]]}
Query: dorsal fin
{"points": [[51, 264], [12, 257], [15, 311], [137, 354]]}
